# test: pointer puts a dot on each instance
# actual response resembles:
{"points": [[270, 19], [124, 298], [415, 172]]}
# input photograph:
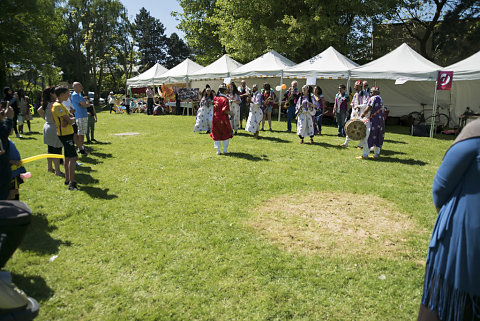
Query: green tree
{"points": [[150, 39], [201, 30], [177, 51], [27, 30]]}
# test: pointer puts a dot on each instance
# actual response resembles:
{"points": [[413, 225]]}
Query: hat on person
{"points": [[222, 87], [111, 93], [358, 83], [375, 88]]}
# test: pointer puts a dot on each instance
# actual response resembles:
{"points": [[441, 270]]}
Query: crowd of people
{"points": [[68, 119], [307, 106]]}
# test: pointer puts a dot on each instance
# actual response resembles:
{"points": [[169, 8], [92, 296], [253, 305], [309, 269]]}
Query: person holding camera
{"points": [[291, 98]]}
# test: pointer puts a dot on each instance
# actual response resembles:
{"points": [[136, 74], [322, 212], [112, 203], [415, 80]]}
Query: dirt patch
{"points": [[333, 224]]}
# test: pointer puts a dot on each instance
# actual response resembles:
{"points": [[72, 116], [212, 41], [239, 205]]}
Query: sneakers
{"points": [[19, 136], [301, 141], [94, 140], [344, 145], [73, 186], [311, 140]]}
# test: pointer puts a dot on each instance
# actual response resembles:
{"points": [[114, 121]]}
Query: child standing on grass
{"points": [[64, 122], [92, 119]]}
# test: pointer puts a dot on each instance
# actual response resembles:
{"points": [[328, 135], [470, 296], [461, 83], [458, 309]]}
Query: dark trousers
{"points": [[290, 117], [150, 106]]}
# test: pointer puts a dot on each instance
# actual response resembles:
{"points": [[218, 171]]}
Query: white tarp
{"points": [[403, 62], [147, 78], [180, 73], [220, 68], [467, 69], [270, 64], [328, 64], [466, 81]]}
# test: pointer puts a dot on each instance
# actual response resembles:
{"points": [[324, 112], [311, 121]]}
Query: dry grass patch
{"points": [[337, 224]]}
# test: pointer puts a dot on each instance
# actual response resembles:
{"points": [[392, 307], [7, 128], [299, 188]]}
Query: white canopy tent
{"points": [[328, 64], [270, 64], [147, 78], [466, 81], [405, 64], [179, 73], [220, 68]]}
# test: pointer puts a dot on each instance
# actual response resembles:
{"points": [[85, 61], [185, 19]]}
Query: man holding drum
{"points": [[358, 105]]}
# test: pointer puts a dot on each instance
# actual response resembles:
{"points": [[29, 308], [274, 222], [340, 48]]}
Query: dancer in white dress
{"points": [[305, 110], [255, 115], [235, 101], [205, 111]]}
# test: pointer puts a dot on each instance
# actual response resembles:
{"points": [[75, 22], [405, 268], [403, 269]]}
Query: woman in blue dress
{"points": [[451, 289]]}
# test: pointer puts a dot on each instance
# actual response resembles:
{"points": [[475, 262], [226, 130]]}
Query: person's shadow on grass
{"points": [[34, 286], [85, 178], [38, 239], [386, 159], [260, 137], [248, 157], [96, 192]]}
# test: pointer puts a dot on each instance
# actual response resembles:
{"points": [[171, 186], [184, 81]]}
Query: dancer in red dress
{"points": [[221, 128]]}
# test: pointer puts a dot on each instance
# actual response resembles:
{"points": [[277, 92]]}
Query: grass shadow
{"points": [[102, 155], [28, 138], [85, 179], [88, 159], [326, 145], [386, 152], [85, 169], [100, 143], [34, 286], [38, 239], [96, 192], [249, 157], [387, 159], [394, 141]]}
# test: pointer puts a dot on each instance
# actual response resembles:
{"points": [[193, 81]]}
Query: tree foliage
{"points": [[150, 39], [27, 30]]}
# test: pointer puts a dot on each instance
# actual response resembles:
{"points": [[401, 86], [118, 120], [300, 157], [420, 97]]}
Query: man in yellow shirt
{"points": [[64, 120]]}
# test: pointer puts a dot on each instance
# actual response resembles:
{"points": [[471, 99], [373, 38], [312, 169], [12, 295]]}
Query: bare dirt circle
{"points": [[334, 224]]}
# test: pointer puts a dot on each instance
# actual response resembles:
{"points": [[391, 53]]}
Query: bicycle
{"points": [[441, 120]]}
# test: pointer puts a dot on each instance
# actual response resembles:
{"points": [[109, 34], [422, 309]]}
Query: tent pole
{"points": [[348, 84], [280, 97], [434, 111]]}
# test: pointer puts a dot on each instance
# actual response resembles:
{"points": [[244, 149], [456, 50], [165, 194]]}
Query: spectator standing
{"points": [[451, 288], [319, 101], [340, 109], [244, 92], [63, 122], [6, 124], [24, 108], [111, 101], [81, 115], [92, 119], [10, 97], [150, 93], [50, 138], [291, 98], [268, 100], [256, 114]]}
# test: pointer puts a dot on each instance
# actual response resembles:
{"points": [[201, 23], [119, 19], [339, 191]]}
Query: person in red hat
{"points": [[221, 128]]}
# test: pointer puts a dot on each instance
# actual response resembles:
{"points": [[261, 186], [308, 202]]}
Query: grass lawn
{"points": [[161, 228]]}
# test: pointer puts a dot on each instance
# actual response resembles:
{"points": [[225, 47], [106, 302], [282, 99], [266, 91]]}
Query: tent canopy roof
{"points": [[270, 64], [466, 69], [179, 73], [403, 62], [328, 63], [146, 78], [222, 67]]}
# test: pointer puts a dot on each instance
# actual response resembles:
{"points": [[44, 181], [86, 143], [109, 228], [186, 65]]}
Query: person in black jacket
{"points": [[6, 122]]}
